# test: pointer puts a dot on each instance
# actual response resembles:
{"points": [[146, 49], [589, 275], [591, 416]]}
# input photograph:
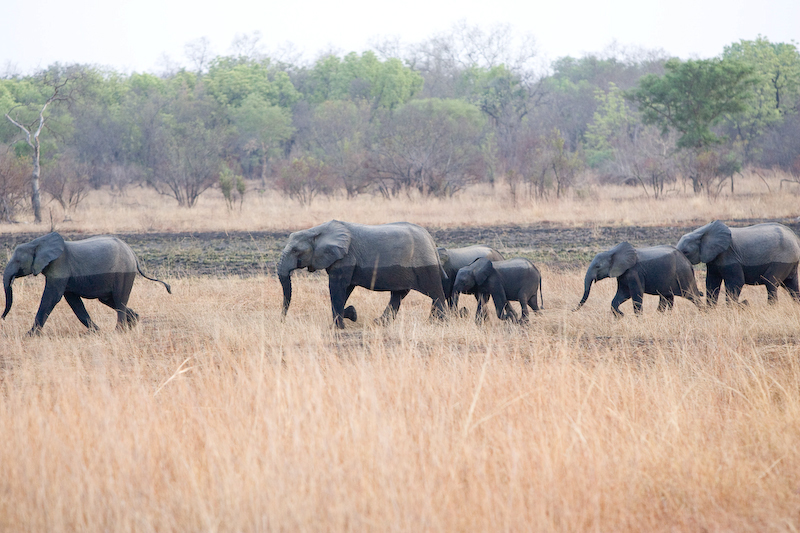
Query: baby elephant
{"points": [[99, 267], [513, 279], [660, 270]]}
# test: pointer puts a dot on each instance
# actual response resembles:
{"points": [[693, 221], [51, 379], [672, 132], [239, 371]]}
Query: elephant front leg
{"points": [[339, 293], [53, 291], [620, 298], [713, 284]]}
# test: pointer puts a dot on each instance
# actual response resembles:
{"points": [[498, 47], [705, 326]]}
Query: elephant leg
{"points": [[524, 310], [713, 284], [622, 296], [772, 291], [78, 308], [792, 285], [481, 314], [126, 317], [390, 312], [53, 291], [338, 288], [665, 302], [349, 311], [636, 293]]}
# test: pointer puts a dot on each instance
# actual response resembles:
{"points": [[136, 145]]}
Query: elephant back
{"points": [[762, 244], [104, 254]]}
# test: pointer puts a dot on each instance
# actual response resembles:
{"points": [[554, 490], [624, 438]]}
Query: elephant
{"points": [[508, 280], [393, 257], [660, 270], [454, 259], [763, 254], [100, 267]]}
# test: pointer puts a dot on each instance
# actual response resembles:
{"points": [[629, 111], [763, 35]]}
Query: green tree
{"points": [[693, 96], [262, 128], [776, 90], [232, 79], [384, 84]]}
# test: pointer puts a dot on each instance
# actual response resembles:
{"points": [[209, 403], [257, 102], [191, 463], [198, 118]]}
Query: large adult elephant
{"points": [[658, 270], [453, 260], [100, 268], [763, 254], [394, 257]]}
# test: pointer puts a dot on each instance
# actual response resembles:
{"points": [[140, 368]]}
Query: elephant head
{"points": [[611, 263], [473, 275], [316, 248], [703, 245], [31, 258]]}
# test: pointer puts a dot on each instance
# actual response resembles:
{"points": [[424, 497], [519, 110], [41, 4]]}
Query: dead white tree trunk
{"points": [[32, 138]]}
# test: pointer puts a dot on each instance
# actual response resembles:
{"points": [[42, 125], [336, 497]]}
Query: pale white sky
{"points": [[128, 35]]}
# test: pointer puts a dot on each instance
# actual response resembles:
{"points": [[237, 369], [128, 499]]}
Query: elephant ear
{"points": [[716, 239], [482, 269], [332, 243], [623, 257], [48, 248]]}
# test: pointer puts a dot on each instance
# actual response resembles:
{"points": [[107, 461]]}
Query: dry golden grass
{"points": [[213, 415], [144, 211]]}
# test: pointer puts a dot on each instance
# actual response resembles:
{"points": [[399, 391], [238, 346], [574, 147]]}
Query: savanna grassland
{"points": [[213, 414]]}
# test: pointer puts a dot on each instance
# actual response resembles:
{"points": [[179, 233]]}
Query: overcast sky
{"points": [[135, 36]]}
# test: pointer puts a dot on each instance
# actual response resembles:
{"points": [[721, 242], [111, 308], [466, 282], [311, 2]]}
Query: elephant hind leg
{"points": [[792, 285], [665, 303], [79, 309], [390, 312]]}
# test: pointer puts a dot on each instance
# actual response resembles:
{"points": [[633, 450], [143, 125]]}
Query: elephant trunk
{"points": [[8, 277], [285, 268], [587, 287]]}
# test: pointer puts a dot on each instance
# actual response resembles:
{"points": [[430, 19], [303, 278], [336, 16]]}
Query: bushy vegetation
{"points": [[460, 108]]}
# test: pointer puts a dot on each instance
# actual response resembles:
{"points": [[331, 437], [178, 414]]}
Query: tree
{"points": [[691, 98], [57, 85], [340, 135], [776, 89], [619, 144], [262, 129], [432, 145]]}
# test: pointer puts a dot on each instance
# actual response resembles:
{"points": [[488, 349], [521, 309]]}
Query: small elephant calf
{"points": [[510, 280], [659, 270]]}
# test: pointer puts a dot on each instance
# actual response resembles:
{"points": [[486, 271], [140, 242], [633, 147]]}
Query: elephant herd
{"points": [[401, 257]]}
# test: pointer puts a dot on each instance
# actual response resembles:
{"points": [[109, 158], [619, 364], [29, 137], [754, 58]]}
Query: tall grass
{"points": [[141, 210], [212, 414]]}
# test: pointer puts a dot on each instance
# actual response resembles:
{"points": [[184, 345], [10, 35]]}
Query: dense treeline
{"points": [[457, 109]]}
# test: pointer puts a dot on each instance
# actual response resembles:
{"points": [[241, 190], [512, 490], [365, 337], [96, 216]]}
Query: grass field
{"points": [[213, 414]]}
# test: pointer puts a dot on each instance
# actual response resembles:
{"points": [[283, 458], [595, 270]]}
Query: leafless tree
{"points": [[61, 87]]}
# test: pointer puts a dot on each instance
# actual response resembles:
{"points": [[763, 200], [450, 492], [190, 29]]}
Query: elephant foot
{"points": [[350, 313], [383, 320], [35, 331], [463, 312]]}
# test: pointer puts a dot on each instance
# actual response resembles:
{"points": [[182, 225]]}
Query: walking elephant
{"points": [[657, 270], [394, 257], [509, 280], [763, 254], [453, 260], [100, 268]]}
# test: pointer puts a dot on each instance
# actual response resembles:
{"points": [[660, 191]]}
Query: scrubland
{"points": [[213, 414]]}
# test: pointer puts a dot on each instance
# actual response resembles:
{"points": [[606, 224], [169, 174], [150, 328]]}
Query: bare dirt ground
{"points": [[248, 254]]}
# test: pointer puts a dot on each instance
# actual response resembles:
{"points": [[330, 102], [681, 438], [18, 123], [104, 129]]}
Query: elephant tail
{"points": [[164, 283], [541, 296]]}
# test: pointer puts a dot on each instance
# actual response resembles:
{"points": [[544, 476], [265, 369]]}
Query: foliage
{"points": [[14, 176], [232, 186], [693, 96], [303, 178], [431, 145]]}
